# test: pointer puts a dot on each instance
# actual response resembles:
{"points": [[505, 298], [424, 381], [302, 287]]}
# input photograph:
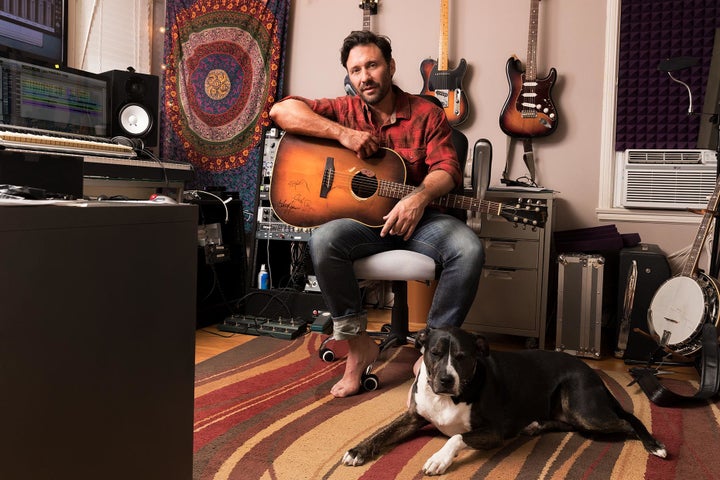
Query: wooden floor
{"points": [[210, 341]]}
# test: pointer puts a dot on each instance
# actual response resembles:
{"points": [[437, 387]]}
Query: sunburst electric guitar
{"points": [[316, 180], [444, 84], [529, 110]]}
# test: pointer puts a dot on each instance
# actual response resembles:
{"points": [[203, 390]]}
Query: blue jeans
{"points": [[452, 244]]}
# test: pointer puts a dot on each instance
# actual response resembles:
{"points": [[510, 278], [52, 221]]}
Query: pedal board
{"points": [[284, 328], [322, 322]]}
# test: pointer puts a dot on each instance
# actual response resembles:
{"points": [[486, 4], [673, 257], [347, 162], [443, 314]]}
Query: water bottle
{"points": [[263, 278]]}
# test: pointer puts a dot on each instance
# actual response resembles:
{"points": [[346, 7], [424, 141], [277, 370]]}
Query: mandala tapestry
{"points": [[224, 70]]}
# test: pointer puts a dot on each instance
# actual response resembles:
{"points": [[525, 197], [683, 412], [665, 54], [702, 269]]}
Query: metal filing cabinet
{"points": [[513, 290]]}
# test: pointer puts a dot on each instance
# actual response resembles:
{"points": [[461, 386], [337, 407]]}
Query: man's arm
{"points": [[296, 116]]}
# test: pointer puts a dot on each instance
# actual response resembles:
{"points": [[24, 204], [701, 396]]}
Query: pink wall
{"points": [[486, 33]]}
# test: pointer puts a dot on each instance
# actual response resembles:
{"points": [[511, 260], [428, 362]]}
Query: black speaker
{"points": [[133, 103], [652, 271]]}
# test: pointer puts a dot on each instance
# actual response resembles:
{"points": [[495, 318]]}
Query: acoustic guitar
{"points": [[369, 8], [444, 84], [316, 180], [686, 302], [529, 110]]}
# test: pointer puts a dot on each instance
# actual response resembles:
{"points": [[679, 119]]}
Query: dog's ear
{"points": [[483, 345], [421, 337]]}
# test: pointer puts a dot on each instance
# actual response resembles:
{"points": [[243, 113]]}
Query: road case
{"points": [[579, 306]]}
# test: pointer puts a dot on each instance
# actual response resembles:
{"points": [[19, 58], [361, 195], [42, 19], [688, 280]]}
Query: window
{"points": [[642, 107], [111, 35]]}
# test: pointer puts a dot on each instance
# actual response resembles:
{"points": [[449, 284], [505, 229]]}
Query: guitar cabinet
{"points": [[513, 290], [652, 270]]}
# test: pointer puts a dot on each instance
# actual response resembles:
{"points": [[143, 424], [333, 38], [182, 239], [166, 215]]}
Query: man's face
{"points": [[369, 73]]}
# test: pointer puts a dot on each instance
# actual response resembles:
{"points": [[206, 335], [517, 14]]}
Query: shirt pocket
{"points": [[414, 163]]}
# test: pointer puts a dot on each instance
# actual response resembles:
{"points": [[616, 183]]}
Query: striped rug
{"points": [[263, 411]]}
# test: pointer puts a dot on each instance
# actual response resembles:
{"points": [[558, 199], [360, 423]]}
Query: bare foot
{"points": [[362, 352]]}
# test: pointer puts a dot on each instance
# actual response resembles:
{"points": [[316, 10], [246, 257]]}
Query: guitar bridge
{"points": [[328, 177]]}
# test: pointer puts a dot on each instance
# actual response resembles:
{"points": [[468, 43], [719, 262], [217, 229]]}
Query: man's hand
{"points": [[406, 214], [364, 144], [404, 217]]}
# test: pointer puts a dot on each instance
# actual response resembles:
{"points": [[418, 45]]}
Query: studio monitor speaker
{"points": [[133, 103]]}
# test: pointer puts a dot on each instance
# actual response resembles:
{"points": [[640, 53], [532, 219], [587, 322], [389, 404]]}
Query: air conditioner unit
{"points": [[665, 179]]}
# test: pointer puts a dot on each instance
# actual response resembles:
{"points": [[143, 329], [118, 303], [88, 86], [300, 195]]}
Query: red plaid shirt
{"points": [[419, 131]]}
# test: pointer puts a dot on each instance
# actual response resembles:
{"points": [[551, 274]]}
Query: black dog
{"points": [[479, 399]]}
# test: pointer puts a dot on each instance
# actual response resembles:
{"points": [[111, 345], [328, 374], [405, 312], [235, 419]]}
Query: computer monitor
{"points": [[60, 100], [34, 31]]}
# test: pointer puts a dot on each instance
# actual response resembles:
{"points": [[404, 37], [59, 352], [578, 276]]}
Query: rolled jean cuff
{"points": [[349, 326]]}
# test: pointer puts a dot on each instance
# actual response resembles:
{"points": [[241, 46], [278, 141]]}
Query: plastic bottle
{"points": [[263, 277]]}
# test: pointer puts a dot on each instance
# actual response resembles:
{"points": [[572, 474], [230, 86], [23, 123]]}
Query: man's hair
{"points": [[365, 37]]}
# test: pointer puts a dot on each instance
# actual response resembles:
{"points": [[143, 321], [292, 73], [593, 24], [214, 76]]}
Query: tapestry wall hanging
{"points": [[224, 69]]}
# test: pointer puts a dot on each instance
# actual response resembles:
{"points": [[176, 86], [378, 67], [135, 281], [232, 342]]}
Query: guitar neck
{"points": [[369, 9], [443, 54], [693, 257], [399, 190], [531, 67]]}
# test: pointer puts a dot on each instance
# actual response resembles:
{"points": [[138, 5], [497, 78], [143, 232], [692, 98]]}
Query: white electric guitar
{"points": [[684, 303]]}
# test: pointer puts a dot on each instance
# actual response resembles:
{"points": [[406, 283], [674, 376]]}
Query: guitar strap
{"points": [[709, 375], [528, 158]]}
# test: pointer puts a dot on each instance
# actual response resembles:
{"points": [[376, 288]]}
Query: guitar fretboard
{"points": [[443, 60], [531, 67], [398, 190]]}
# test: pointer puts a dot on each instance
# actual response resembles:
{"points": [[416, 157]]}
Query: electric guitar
{"points": [[529, 110], [369, 8], [686, 302], [316, 180], [444, 84]]}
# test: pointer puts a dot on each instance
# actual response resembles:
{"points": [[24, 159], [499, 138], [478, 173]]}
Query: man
{"points": [[382, 115]]}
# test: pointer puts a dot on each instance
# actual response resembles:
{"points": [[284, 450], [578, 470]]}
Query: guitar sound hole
{"points": [[364, 185]]}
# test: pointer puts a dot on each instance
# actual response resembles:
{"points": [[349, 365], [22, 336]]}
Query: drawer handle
{"points": [[499, 274], [503, 246]]}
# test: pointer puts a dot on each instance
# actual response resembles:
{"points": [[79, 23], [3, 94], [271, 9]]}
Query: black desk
{"points": [[97, 325]]}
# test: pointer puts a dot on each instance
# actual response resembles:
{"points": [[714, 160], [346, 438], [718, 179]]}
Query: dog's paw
{"points": [[659, 450], [353, 458], [532, 429], [438, 463]]}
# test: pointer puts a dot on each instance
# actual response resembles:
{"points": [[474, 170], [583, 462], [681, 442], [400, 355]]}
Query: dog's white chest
{"points": [[441, 411]]}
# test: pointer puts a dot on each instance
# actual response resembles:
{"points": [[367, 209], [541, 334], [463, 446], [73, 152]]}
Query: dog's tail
{"points": [[650, 443]]}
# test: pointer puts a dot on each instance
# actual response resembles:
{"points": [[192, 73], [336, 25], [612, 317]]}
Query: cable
{"points": [[224, 203]]}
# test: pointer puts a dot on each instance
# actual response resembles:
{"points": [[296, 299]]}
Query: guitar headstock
{"points": [[369, 6], [525, 212]]}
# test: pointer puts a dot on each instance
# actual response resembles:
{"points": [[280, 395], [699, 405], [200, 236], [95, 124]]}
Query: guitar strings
{"points": [[366, 186]]}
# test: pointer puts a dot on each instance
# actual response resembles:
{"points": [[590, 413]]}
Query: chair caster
{"points": [[369, 382], [386, 328], [327, 355]]}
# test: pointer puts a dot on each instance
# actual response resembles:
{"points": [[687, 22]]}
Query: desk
{"points": [[97, 324]]}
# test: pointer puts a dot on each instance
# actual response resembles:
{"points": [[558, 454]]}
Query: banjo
{"points": [[686, 302]]}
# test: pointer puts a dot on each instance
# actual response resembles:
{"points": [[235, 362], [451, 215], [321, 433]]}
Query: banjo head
{"points": [[677, 312]]}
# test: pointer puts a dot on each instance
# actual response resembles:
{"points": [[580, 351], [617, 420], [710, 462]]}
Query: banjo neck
{"points": [[691, 262]]}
